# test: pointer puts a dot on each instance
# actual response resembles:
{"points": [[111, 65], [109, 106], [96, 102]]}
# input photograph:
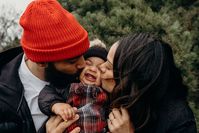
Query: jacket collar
{"points": [[7, 55], [11, 86]]}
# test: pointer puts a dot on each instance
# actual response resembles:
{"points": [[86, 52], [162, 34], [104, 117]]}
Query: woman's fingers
{"points": [[111, 116], [113, 125], [125, 114], [119, 121], [110, 126], [117, 114], [114, 120]]}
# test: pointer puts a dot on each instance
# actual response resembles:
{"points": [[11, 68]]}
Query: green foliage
{"points": [[177, 22]]}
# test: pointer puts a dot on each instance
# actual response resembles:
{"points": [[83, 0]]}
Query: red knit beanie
{"points": [[50, 33]]}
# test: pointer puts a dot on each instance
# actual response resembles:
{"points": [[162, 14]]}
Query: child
{"points": [[87, 96]]}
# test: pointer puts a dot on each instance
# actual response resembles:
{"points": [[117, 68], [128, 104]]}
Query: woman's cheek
{"points": [[108, 85]]}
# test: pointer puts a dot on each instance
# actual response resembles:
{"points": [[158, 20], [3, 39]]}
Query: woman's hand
{"points": [[119, 121], [56, 125]]}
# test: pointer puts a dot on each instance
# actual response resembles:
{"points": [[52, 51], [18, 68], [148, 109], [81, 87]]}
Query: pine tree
{"points": [[176, 22]]}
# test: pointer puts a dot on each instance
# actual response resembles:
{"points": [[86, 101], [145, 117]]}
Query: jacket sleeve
{"points": [[181, 119], [9, 127], [187, 127], [50, 95], [8, 117], [8, 122]]}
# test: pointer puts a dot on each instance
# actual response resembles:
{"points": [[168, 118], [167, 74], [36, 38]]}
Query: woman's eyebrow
{"points": [[109, 62]]}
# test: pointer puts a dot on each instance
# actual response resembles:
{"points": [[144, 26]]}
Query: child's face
{"points": [[91, 74]]}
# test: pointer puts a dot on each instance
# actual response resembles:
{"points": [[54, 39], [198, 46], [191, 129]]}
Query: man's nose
{"points": [[81, 63]]}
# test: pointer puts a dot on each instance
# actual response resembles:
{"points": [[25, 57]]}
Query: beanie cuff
{"points": [[42, 55]]}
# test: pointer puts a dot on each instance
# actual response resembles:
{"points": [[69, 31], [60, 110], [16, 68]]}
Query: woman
{"points": [[147, 93]]}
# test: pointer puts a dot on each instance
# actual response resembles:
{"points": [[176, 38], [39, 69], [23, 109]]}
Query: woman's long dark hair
{"points": [[145, 75]]}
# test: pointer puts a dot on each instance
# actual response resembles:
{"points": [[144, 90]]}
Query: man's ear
{"points": [[42, 64]]}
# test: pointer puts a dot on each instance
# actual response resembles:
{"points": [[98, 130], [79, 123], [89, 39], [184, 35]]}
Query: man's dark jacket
{"points": [[15, 115]]}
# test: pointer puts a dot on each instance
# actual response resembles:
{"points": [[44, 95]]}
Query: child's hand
{"points": [[64, 110]]}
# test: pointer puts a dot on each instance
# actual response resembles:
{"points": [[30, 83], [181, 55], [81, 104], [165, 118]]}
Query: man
{"points": [[53, 43]]}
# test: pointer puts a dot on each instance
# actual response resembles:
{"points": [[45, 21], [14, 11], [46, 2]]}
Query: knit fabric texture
{"points": [[51, 33], [96, 51], [91, 102]]}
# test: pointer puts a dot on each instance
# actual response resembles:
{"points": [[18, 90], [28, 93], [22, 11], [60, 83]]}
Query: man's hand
{"points": [[64, 110], [56, 125]]}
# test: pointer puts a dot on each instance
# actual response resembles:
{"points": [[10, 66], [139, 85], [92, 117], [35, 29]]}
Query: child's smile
{"points": [[91, 73]]}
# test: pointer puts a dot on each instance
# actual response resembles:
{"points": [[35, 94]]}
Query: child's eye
{"points": [[88, 63]]}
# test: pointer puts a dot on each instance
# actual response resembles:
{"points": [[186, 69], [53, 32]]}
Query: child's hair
{"points": [[96, 51]]}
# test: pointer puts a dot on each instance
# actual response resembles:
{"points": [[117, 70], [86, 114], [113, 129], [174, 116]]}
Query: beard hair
{"points": [[59, 79]]}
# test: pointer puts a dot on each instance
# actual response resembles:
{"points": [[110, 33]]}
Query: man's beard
{"points": [[59, 79]]}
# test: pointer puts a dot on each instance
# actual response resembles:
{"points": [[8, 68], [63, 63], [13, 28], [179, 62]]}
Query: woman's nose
{"points": [[102, 69]]}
